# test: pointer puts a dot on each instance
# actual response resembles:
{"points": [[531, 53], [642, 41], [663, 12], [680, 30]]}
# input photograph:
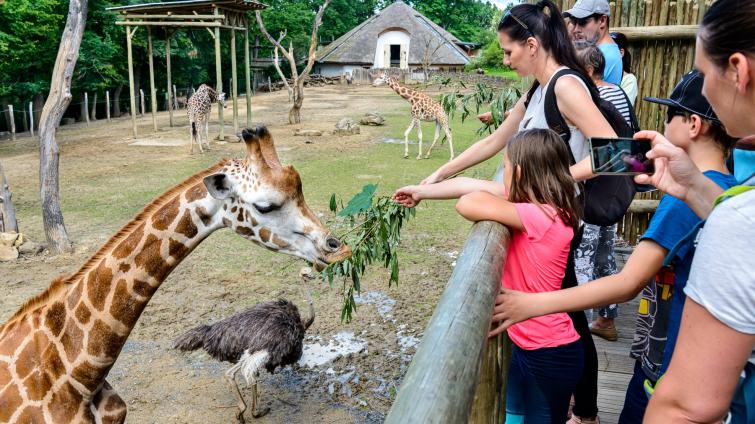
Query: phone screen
{"points": [[626, 156]]}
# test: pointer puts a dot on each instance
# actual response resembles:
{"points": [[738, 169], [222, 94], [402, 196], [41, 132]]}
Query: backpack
{"points": [[605, 198]]}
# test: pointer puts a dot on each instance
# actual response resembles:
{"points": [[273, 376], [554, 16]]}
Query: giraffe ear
{"points": [[218, 185]]}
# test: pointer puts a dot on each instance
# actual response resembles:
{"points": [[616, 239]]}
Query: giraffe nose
{"points": [[333, 243]]}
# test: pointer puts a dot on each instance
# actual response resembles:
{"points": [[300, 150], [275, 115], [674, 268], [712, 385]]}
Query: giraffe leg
{"points": [[108, 407], [419, 135], [406, 138], [230, 376], [435, 139], [450, 141]]}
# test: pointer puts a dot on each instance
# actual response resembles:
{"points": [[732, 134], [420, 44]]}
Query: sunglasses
{"points": [[672, 112], [582, 21], [519, 21]]}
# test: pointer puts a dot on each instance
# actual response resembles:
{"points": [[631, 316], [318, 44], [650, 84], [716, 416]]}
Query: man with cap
{"points": [[591, 19], [660, 263]]}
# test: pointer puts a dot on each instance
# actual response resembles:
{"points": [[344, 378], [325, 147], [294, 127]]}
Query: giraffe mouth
{"points": [[322, 262]]}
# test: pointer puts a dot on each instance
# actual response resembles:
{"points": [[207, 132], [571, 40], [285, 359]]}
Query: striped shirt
{"points": [[615, 95]]}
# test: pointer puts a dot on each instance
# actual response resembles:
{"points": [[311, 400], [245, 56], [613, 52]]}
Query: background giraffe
{"points": [[424, 108], [57, 350], [198, 107]]}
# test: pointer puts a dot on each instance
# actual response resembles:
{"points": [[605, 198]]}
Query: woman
{"points": [[536, 44], [717, 333], [628, 80]]}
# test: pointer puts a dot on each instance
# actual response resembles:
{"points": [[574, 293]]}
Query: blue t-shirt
{"points": [[683, 262], [672, 221], [614, 68]]}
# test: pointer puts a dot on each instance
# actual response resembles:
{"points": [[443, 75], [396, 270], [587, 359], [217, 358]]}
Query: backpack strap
{"points": [[632, 116]]}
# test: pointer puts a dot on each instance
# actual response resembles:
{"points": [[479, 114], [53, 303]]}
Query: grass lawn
{"points": [[500, 72]]}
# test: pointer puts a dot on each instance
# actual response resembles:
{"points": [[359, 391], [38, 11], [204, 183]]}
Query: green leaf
{"points": [[333, 204], [361, 202]]}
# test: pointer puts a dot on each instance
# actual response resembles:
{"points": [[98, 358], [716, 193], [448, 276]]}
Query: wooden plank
{"points": [[659, 32], [169, 16], [439, 385], [219, 82], [152, 92], [169, 24], [132, 94]]}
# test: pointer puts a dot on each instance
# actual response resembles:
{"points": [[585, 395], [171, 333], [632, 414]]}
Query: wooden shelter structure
{"points": [[213, 15]]}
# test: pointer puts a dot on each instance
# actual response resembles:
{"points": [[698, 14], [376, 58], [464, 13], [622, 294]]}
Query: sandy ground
{"points": [[105, 180]]}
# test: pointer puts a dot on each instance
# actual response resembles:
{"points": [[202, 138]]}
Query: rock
{"points": [[307, 133], [372, 118], [31, 248], [9, 239], [346, 126], [8, 253], [67, 121]]}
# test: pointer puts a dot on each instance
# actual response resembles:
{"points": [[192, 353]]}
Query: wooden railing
{"points": [[441, 384]]}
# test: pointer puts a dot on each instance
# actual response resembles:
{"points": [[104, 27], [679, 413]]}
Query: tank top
{"points": [[534, 117]]}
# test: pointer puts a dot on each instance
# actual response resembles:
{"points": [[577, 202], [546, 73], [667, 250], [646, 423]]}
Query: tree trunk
{"points": [[294, 115], [57, 102], [7, 211], [117, 101], [93, 115]]}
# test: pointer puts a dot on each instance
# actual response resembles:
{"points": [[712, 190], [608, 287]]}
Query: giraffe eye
{"points": [[265, 207]]}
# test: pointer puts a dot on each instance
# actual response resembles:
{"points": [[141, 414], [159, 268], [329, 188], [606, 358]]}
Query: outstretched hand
{"points": [[511, 307], [407, 196], [674, 170]]}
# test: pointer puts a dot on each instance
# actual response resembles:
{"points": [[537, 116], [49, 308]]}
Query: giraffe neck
{"points": [[108, 299], [402, 91]]}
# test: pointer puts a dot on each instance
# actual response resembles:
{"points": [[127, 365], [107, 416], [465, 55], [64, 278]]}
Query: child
{"points": [[692, 125], [537, 202]]}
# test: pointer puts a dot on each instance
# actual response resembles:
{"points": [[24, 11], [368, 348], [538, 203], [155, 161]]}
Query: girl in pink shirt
{"points": [[537, 202]]}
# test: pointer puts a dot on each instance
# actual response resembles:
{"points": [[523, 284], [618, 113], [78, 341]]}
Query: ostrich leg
{"points": [[255, 412], [230, 376]]}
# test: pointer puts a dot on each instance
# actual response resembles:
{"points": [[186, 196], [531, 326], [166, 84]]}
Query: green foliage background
{"points": [[30, 31]]}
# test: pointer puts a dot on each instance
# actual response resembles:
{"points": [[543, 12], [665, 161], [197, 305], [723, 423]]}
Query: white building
{"points": [[396, 37]]}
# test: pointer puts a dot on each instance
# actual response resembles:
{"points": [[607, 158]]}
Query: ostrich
{"points": [[267, 335]]}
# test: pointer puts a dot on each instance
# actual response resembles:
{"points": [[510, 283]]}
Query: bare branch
{"points": [[313, 42], [283, 77], [270, 38]]}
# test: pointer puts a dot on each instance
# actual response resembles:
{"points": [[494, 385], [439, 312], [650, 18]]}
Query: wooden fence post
{"points": [[12, 122], [86, 107], [8, 221], [141, 97], [31, 118], [107, 105], [175, 98], [94, 107]]}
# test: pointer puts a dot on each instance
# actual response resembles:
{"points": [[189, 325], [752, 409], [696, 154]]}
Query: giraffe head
{"points": [[263, 202], [382, 78]]}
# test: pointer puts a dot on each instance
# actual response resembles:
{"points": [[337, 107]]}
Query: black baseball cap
{"points": [[688, 96]]}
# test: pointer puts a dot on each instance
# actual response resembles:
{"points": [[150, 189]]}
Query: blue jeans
{"points": [[636, 399], [541, 382]]}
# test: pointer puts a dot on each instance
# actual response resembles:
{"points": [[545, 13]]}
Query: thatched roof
{"points": [[358, 45]]}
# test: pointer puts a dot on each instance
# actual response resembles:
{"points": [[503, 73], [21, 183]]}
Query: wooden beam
{"points": [[168, 71], [169, 24], [440, 383], [219, 83], [248, 78], [152, 91], [130, 33], [643, 206], [234, 84], [195, 16], [658, 32]]}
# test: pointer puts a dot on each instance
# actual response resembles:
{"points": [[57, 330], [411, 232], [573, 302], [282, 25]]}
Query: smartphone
{"points": [[620, 156]]}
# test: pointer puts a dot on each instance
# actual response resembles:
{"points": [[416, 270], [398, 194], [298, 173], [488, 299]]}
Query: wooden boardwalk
{"points": [[614, 364]]}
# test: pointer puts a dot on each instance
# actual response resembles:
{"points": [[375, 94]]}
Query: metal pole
{"points": [[132, 95], [170, 84], [219, 82], [234, 84], [152, 92], [248, 79]]}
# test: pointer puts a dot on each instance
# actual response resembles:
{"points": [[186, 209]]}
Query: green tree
{"points": [[459, 17]]}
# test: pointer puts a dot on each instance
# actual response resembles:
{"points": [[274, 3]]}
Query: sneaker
{"points": [[577, 420], [609, 334]]}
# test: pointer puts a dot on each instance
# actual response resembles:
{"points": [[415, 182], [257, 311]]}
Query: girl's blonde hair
{"points": [[540, 163]]}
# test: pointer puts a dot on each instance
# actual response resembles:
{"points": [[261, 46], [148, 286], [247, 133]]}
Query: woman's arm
{"points": [[483, 149], [484, 206], [577, 107], [454, 188], [704, 371], [646, 260]]}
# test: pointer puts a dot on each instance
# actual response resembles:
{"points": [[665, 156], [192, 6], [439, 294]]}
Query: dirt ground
{"points": [[105, 180]]}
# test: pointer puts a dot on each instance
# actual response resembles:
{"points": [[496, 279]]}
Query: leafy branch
{"points": [[374, 239], [482, 95]]}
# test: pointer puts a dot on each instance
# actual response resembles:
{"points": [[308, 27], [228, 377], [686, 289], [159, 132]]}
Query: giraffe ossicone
{"points": [[424, 108], [57, 350]]}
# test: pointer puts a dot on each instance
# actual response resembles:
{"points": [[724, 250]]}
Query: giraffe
{"points": [[198, 108], [424, 108], [57, 350]]}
